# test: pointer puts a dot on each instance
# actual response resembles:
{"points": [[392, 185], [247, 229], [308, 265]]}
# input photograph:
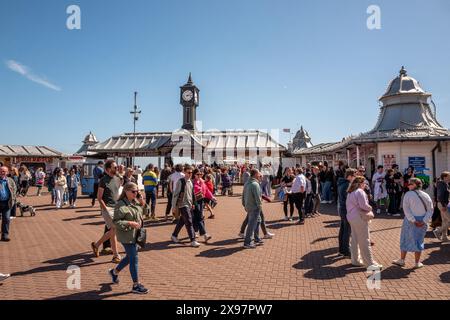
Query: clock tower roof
{"points": [[189, 83]]}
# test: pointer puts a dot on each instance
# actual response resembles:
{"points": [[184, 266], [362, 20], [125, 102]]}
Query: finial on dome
{"points": [[403, 71]]}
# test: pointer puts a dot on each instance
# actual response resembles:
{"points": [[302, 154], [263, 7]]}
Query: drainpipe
{"points": [[433, 156]]}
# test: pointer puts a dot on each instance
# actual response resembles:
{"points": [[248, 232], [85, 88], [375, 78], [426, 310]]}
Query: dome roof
{"points": [[90, 139], [403, 84]]}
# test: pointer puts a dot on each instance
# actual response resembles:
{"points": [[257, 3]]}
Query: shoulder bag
{"points": [[141, 235], [421, 200], [176, 209]]}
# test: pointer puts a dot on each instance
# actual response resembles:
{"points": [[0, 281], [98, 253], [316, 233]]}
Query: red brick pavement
{"points": [[298, 263]]}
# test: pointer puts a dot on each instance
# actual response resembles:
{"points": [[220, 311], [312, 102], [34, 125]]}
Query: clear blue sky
{"points": [[258, 63]]}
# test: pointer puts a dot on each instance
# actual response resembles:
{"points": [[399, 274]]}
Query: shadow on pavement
{"points": [[332, 223], [166, 245], [440, 256], [320, 266], [277, 226], [93, 294], [92, 210], [58, 264], [219, 252], [394, 272], [445, 277], [96, 223], [160, 223], [226, 242], [92, 216]]}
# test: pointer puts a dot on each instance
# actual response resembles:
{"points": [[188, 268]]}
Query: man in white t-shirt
{"points": [[298, 193], [172, 182]]}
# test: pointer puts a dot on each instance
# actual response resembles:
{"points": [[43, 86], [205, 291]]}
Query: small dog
{"points": [[25, 208]]}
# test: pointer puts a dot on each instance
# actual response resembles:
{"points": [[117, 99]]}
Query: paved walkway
{"points": [[299, 263]]}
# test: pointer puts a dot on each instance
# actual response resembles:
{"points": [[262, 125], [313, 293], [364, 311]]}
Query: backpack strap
{"points": [[183, 185]]}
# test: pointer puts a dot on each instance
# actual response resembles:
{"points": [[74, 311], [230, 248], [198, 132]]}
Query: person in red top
{"points": [[210, 202], [201, 192]]}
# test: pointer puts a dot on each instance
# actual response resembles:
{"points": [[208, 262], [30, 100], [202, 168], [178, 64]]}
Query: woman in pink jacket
{"points": [[201, 193], [359, 214]]}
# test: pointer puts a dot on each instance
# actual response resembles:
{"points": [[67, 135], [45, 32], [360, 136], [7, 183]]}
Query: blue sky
{"points": [[261, 64]]}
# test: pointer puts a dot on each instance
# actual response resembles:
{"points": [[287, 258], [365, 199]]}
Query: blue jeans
{"points": [[326, 191], [309, 203], [66, 196], [5, 212], [254, 220], [72, 195], [344, 232], [198, 219], [151, 195], [131, 259]]}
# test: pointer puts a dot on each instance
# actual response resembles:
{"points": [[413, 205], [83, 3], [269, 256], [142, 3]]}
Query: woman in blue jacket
{"points": [[73, 180]]}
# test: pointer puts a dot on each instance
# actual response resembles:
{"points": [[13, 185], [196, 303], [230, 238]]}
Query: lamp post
{"points": [[135, 114]]}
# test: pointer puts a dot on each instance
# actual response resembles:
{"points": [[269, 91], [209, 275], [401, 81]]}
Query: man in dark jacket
{"points": [[443, 192], [8, 190], [344, 230]]}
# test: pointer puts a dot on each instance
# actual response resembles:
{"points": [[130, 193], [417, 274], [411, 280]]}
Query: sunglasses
{"points": [[198, 174], [188, 172], [134, 191]]}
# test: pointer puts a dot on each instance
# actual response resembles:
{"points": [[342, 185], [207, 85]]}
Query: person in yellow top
{"points": [[150, 180]]}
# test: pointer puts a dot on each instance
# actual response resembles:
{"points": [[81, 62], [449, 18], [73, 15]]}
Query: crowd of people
{"points": [[193, 190]]}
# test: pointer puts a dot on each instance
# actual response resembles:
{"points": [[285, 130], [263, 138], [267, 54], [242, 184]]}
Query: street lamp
{"points": [[135, 114]]}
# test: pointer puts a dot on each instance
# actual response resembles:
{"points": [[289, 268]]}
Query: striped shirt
{"points": [[150, 180]]}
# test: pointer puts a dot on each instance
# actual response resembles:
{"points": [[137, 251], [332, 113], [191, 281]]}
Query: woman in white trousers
{"points": [[60, 187]]}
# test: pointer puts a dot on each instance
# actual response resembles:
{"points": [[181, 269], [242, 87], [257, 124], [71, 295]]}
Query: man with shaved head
{"points": [[7, 200]]}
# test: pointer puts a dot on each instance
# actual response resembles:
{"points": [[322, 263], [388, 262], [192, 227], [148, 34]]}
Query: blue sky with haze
{"points": [[261, 64]]}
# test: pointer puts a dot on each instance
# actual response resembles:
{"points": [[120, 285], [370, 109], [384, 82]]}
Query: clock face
{"points": [[187, 95]]}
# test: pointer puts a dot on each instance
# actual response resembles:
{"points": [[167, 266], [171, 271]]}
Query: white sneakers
{"points": [[195, 244], [269, 235], [399, 262], [286, 218], [241, 235], [375, 267], [4, 276], [207, 237]]}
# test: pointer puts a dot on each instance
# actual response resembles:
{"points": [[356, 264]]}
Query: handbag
{"points": [[198, 196], [176, 209], [213, 203], [367, 216], [421, 200], [141, 236]]}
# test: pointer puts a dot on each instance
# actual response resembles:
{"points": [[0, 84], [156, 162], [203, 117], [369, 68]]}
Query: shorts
{"points": [[108, 216]]}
